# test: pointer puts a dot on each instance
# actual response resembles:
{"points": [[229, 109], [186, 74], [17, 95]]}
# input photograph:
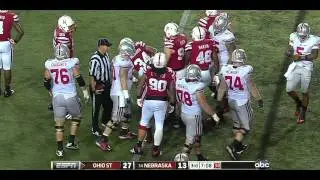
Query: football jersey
{"points": [[187, 95], [206, 22], [7, 18], [60, 37], [62, 76], [177, 44], [237, 79], [220, 40], [304, 48], [118, 63], [201, 53], [140, 59], [158, 85]]}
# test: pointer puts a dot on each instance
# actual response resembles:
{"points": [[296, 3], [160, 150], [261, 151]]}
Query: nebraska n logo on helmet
{"points": [[65, 22], [171, 29], [303, 31], [198, 33]]}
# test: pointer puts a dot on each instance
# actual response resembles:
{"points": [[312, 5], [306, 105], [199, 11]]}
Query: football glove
{"points": [[85, 95], [139, 102]]}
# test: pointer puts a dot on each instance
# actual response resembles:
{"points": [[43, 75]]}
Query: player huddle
{"points": [[171, 84]]}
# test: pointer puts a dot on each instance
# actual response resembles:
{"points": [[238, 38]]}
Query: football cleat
{"points": [[232, 152], [129, 135], [72, 146], [96, 132], [8, 93], [156, 152], [243, 148], [60, 153], [201, 158], [136, 150], [104, 146], [302, 117]]}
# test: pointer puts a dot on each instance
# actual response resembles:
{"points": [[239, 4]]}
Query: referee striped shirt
{"points": [[100, 67]]}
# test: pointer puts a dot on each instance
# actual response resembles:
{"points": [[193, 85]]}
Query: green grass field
{"points": [[27, 134]]}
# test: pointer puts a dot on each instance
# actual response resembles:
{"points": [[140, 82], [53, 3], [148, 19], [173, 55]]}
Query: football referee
{"points": [[100, 85]]}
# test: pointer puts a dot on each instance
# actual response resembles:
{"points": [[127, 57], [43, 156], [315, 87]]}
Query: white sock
{"points": [[158, 136]]}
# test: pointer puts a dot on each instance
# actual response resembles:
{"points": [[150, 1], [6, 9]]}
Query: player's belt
{"points": [[159, 98]]}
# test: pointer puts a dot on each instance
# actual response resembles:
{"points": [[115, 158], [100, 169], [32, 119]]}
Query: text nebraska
{"points": [[157, 165]]}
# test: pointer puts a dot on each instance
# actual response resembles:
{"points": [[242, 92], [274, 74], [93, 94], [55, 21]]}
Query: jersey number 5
{"points": [[157, 85], [236, 84], [184, 97], [61, 74]]}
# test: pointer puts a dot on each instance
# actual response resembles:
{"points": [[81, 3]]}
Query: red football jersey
{"points": [[59, 36], [176, 43], [140, 58], [7, 18], [158, 85], [201, 52], [206, 22]]}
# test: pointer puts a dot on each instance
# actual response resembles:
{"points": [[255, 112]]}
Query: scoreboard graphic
{"points": [[165, 165]]}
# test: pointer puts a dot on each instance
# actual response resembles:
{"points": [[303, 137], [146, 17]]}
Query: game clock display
{"points": [[161, 165]]}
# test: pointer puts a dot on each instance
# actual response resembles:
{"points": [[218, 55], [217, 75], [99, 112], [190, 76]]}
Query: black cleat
{"points": [[8, 93], [72, 146], [232, 152], [60, 153], [243, 148], [201, 158], [136, 150], [50, 107]]}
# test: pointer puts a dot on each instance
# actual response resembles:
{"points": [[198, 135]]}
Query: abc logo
{"points": [[263, 164]]}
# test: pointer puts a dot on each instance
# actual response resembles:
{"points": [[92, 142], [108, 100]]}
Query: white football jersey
{"points": [[62, 76], [304, 48], [237, 79], [118, 63], [186, 94], [220, 40]]}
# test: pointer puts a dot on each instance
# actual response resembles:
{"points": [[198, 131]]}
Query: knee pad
{"points": [[59, 128]]}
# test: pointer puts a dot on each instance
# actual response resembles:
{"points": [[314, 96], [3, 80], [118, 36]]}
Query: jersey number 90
{"points": [[157, 85]]}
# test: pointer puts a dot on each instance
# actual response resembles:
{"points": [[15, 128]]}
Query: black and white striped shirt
{"points": [[100, 67]]}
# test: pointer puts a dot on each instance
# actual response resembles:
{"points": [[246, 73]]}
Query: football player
{"points": [[174, 48], [190, 92], [302, 50], [236, 81], [159, 81], [142, 56], [203, 53], [120, 95], [59, 78], [63, 35], [8, 19], [208, 20]]}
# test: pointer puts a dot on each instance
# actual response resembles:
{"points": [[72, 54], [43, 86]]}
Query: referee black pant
{"points": [[99, 100]]}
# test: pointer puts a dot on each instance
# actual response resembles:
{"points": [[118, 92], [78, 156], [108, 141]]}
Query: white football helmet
{"points": [[198, 33], [61, 51], [220, 23], [303, 31], [193, 72], [65, 22], [212, 12], [126, 49], [159, 60], [171, 29], [181, 157], [126, 40], [238, 57]]}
